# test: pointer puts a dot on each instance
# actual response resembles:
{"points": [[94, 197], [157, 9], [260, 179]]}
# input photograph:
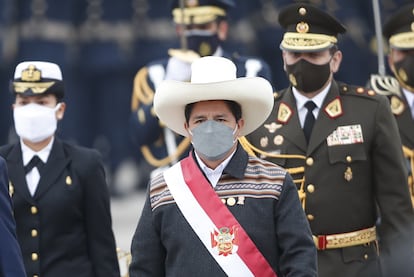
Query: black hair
{"points": [[234, 107]]}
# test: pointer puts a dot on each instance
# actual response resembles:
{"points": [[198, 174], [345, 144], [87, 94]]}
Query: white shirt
{"points": [[410, 100], [33, 177], [301, 101], [213, 175]]}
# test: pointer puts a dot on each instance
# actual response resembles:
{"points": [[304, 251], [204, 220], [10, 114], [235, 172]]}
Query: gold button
{"points": [[348, 159], [309, 161], [231, 201], [310, 188], [35, 275], [34, 233], [310, 217], [34, 256], [33, 209], [366, 257]]}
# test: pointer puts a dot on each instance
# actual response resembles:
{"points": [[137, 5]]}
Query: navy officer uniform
{"points": [[64, 225], [11, 261], [399, 31], [351, 170], [156, 144]]}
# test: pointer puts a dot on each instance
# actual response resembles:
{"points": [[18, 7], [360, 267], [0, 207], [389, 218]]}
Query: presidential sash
{"points": [[217, 228]]}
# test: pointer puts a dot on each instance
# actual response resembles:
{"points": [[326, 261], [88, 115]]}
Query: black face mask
{"points": [[404, 71], [308, 77], [205, 43]]}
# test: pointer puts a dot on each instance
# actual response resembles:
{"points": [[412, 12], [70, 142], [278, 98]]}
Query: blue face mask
{"points": [[205, 43], [213, 140]]}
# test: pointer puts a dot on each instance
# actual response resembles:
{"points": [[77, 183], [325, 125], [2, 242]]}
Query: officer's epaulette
{"points": [[346, 89], [385, 85]]}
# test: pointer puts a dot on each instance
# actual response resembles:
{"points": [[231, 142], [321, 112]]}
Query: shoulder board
{"points": [[356, 90], [385, 85]]}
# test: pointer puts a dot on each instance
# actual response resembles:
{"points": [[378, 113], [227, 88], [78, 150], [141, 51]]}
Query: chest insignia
{"points": [[225, 241], [264, 141], [348, 174], [334, 109], [278, 140], [284, 113], [272, 127]]}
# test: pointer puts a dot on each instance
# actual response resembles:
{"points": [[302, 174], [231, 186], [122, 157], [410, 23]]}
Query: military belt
{"points": [[354, 238]]}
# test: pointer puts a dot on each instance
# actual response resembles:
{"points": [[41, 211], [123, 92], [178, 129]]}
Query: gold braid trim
{"points": [[184, 144], [141, 92], [252, 150], [409, 154]]}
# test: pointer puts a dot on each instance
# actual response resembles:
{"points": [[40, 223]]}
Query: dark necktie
{"points": [[309, 120], [34, 162]]}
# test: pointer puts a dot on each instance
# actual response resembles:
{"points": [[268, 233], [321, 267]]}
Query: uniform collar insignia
{"points": [[334, 108], [284, 113], [397, 105]]}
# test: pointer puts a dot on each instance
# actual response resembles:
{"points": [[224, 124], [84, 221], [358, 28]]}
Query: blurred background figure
{"points": [[398, 29], [100, 44], [11, 260], [203, 28]]}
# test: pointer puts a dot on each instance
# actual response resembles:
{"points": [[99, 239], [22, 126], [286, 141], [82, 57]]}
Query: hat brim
{"points": [[254, 94]]}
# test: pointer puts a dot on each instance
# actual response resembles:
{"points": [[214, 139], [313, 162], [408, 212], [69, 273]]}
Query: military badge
{"points": [[278, 140], [31, 74], [397, 106], [343, 135], [284, 113], [272, 127], [240, 200], [302, 27], [264, 141], [231, 201], [225, 241], [334, 108], [348, 174]]}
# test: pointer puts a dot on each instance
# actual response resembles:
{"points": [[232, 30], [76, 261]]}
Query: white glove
{"points": [[179, 64], [178, 70]]}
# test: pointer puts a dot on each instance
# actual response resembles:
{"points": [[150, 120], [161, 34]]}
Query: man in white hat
{"points": [[220, 212], [60, 196], [203, 27]]}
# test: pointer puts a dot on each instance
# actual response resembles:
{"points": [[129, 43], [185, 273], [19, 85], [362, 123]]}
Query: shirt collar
{"points": [[236, 165], [218, 169], [410, 97], [318, 99], [43, 154]]}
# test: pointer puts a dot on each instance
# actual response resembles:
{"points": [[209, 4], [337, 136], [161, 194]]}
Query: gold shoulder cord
{"points": [[252, 150], [142, 92], [184, 144], [409, 154]]}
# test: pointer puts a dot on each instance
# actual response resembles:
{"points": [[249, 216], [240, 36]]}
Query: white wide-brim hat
{"points": [[214, 78]]}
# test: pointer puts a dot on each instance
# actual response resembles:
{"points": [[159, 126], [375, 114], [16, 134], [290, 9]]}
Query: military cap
{"points": [[200, 11], [308, 28], [36, 78], [399, 28]]}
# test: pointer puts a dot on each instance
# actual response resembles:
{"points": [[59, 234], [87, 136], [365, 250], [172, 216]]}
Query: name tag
{"points": [[350, 134]]}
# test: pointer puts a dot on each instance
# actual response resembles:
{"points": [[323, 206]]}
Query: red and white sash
{"points": [[216, 227]]}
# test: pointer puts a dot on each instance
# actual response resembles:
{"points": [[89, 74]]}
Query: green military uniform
{"points": [[351, 166]]}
